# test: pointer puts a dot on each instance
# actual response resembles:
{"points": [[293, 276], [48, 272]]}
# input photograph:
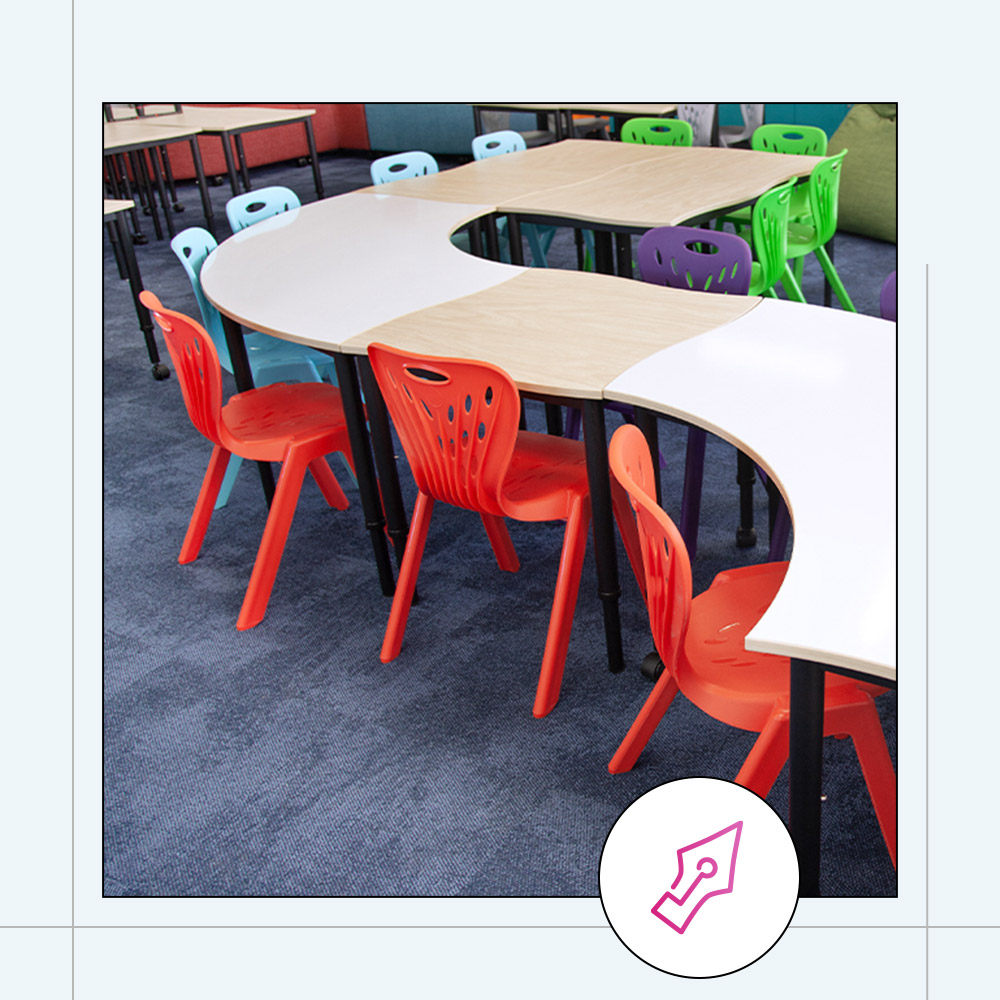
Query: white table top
{"points": [[212, 121], [330, 270], [137, 132], [810, 394], [112, 206]]}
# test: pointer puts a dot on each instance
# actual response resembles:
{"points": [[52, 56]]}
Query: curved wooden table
{"points": [[370, 266]]}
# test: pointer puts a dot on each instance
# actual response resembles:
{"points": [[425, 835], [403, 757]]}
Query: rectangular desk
{"points": [[139, 135], [563, 113], [226, 123]]}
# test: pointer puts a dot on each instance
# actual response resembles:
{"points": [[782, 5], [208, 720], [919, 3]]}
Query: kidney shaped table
{"points": [[373, 266]]}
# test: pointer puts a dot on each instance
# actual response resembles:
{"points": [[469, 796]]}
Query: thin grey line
{"points": [[72, 516], [927, 628], [477, 927]]}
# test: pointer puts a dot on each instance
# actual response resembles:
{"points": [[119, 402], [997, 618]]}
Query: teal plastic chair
{"points": [[271, 360], [243, 210], [539, 237], [399, 166], [812, 235], [769, 240], [794, 140], [658, 132]]}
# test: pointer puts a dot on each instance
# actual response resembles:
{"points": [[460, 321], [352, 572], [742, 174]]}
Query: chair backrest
{"points": [[666, 566], [824, 195], [398, 166], [657, 131], [192, 247], [457, 421], [686, 257], [701, 117], [497, 143], [244, 210], [196, 363], [800, 140], [887, 298], [769, 231]]}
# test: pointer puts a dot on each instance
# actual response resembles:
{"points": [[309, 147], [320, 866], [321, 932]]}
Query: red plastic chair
{"points": [[458, 424], [701, 644], [293, 424]]}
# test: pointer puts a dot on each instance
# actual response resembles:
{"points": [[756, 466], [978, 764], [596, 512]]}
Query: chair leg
{"points": [[204, 505], [328, 484], [694, 472], [865, 729], [232, 471], [407, 582], [645, 723], [563, 608], [538, 256], [272, 543], [503, 547], [831, 275], [793, 291], [768, 755]]}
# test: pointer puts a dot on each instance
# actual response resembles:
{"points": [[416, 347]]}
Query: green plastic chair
{"points": [[658, 132], [795, 140], [812, 236], [769, 239]]}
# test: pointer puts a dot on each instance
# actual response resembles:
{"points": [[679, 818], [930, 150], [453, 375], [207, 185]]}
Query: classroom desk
{"points": [[311, 276], [138, 134], [233, 122], [563, 113], [128, 268]]}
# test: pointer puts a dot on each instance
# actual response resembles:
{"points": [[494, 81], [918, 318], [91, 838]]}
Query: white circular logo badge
{"points": [[699, 877]]}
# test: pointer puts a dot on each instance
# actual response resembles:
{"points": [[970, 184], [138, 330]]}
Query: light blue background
{"points": [[51, 928]]}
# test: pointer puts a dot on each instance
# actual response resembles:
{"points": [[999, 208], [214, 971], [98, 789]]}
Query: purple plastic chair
{"points": [[705, 261], [887, 300]]}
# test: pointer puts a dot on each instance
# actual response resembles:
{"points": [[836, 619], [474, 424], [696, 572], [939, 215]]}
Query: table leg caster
{"points": [[160, 371], [746, 538], [652, 667]]}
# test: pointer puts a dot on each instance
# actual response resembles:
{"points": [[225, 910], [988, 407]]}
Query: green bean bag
{"points": [[868, 180]]}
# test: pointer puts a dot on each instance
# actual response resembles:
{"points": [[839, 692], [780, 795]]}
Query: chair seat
{"points": [[544, 476], [262, 422], [801, 239], [732, 684]]}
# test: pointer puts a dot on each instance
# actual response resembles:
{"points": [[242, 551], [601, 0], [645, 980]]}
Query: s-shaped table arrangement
{"points": [[802, 389]]}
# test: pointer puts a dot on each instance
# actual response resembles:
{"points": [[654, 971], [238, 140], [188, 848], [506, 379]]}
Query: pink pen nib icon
{"points": [[710, 865]]}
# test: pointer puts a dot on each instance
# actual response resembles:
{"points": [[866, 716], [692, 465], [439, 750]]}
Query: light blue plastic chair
{"points": [[244, 210], [271, 360], [399, 166], [539, 237]]}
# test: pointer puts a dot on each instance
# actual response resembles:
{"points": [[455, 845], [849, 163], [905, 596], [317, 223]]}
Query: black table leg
{"points": [[154, 159], [168, 175], [746, 534], [605, 550], [206, 201], [385, 459], [827, 287], [160, 370], [314, 157], [357, 432], [244, 382], [227, 151], [805, 763], [492, 240], [603, 255], [477, 120], [242, 160], [514, 240], [623, 251], [646, 421]]}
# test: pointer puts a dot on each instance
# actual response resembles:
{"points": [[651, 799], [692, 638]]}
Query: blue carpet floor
{"points": [[288, 761]]}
